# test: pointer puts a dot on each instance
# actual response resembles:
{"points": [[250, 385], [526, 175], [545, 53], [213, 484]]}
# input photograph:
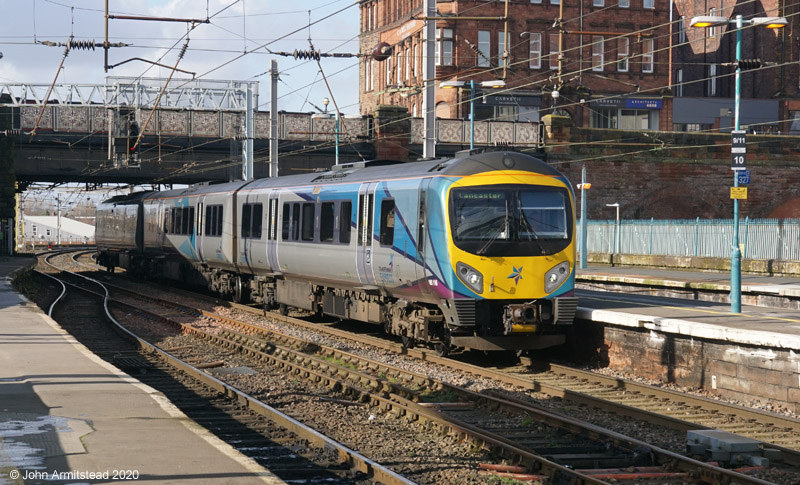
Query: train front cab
{"points": [[511, 246]]}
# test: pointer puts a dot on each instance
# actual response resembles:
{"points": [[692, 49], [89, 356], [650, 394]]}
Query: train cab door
{"points": [[272, 231], [366, 217], [421, 267]]}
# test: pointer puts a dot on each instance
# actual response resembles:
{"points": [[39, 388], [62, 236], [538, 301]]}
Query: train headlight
{"points": [[556, 276], [470, 276]]}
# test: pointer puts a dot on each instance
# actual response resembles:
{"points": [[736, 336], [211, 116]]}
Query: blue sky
{"points": [[215, 50]]}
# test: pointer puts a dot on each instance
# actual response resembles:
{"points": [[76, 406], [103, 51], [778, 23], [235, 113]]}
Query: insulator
{"points": [[82, 44], [381, 52], [309, 54], [183, 50], [745, 64]]}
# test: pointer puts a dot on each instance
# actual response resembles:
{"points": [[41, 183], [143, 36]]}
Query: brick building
{"points": [[702, 59], [614, 51], [620, 62]]}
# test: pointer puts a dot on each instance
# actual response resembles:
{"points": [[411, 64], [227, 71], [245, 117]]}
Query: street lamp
{"points": [[713, 21], [463, 84], [325, 102], [616, 227]]}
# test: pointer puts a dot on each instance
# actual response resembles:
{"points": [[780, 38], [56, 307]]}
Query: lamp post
{"points": [[714, 21], [462, 84], [616, 228]]}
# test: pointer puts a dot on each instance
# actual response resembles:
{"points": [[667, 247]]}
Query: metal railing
{"points": [[777, 239]]}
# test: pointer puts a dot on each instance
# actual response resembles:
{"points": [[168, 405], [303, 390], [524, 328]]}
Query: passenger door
{"points": [[366, 217]]}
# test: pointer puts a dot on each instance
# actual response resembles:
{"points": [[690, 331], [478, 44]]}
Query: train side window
{"points": [[177, 221], [327, 218], [345, 215], [286, 223], [258, 220], [213, 220], [189, 220], [246, 218], [308, 221], [387, 222], [295, 222]]}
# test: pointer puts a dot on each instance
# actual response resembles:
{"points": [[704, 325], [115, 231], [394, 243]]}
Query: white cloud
{"points": [[211, 45]]}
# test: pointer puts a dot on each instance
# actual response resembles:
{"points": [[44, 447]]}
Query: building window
{"points": [[388, 62], [444, 47], [624, 3], [408, 63], [714, 29], [536, 1], [503, 48], [679, 82], [555, 2], [622, 54], [553, 39], [598, 3], [712, 80], [649, 4], [484, 47], [398, 71], [597, 53], [604, 118], [682, 30], [647, 55], [535, 60]]}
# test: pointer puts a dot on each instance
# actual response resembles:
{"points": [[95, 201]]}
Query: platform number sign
{"points": [[738, 149]]}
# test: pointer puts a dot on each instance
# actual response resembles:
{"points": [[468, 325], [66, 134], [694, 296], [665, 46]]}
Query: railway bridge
{"points": [[137, 131]]}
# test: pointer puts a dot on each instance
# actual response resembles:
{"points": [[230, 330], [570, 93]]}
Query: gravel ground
{"points": [[428, 458]]}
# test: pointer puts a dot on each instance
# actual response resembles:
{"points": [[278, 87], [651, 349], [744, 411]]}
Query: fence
{"points": [[777, 239]]}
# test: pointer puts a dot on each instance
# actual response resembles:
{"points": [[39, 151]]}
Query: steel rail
{"points": [[356, 461]]}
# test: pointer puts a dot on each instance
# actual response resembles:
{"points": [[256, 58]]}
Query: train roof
{"points": [[464, 163]]}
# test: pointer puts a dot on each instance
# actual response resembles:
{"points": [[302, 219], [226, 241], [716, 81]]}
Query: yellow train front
{"points": [[509, 237]]}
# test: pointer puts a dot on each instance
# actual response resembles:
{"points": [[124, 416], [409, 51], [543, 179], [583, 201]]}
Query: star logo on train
{"points": [[516, 274]]}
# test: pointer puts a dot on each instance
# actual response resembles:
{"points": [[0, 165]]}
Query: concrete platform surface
{"points": [[66, 416], [755, 325], [687, 279]]}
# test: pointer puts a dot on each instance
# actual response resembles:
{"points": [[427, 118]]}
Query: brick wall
{"points": [[733, 371], [680, 175]]}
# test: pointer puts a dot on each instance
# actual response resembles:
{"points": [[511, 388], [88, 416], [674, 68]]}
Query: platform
{"points": [[755, 325], [690, 280], [747, 356], [66, 416]]}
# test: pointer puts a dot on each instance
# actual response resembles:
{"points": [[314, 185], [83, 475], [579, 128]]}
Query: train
{"points": [[475, 251]]}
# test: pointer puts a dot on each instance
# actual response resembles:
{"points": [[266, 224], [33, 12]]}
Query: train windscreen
{"points": [[511, 220]]}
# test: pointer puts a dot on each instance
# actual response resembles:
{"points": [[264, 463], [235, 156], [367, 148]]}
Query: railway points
{"points": [[67, 411]]}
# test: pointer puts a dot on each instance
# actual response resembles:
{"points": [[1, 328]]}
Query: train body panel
{"points": [[475, 251]]}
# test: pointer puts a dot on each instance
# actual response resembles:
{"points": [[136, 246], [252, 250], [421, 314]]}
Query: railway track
{"points": [[553, 448], [285, 446]]}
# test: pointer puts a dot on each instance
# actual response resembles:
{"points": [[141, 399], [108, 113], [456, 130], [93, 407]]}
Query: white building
{"points": [[45, 231]]}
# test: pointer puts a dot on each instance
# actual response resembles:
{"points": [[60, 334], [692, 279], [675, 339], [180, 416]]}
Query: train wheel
{"points": [[441, 349]]}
